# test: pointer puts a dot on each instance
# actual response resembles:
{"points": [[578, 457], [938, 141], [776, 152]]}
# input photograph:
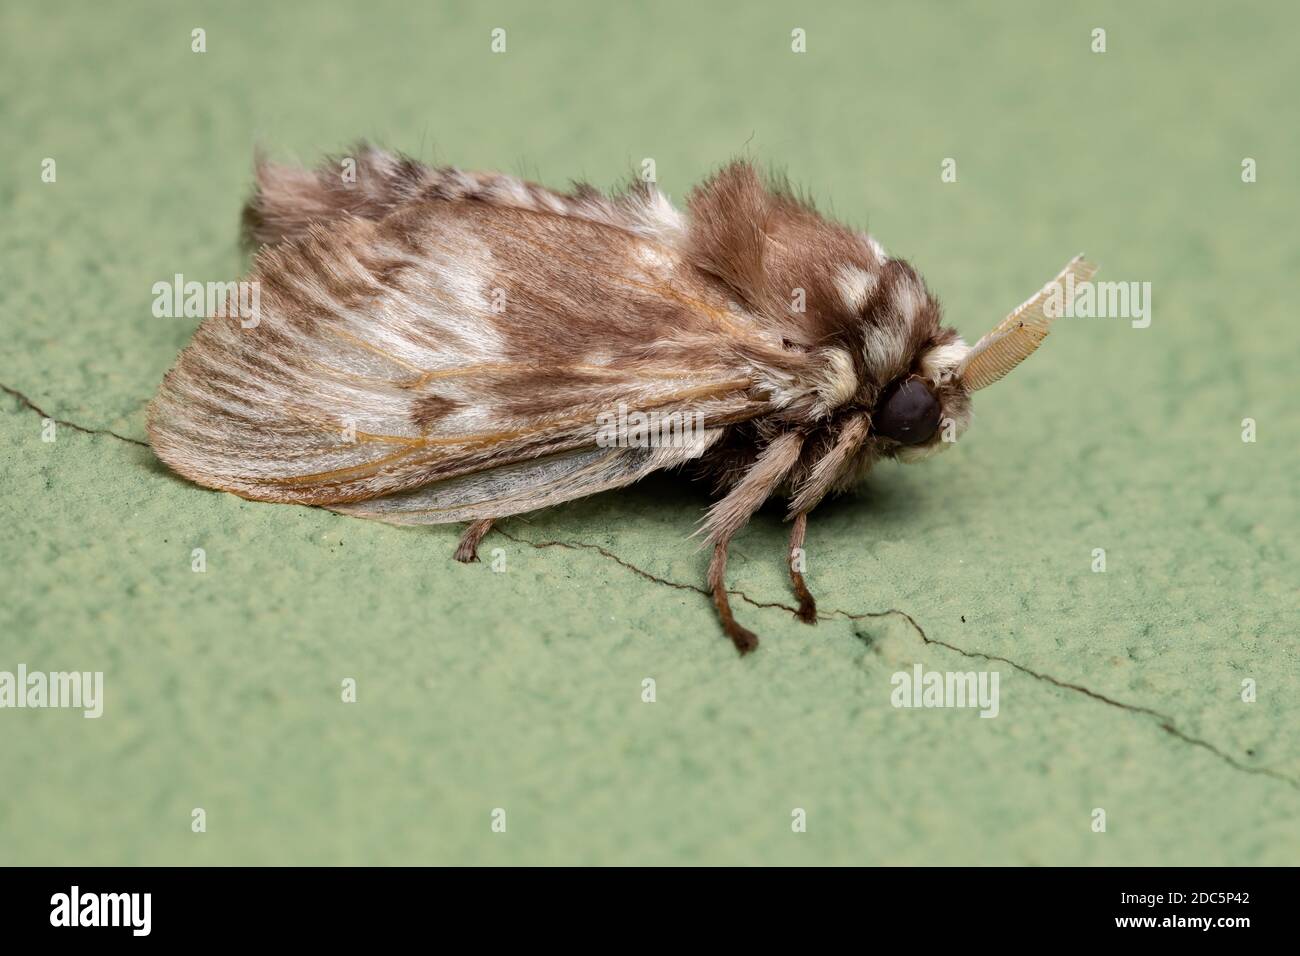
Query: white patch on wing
{"points": [[462, 283], [516, 190], [654, 258], [553, 202]]}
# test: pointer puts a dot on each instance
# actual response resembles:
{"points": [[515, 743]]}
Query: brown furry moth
{"points": [[438, 346]]}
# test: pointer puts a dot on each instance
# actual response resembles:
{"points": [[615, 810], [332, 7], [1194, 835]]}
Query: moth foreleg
{"points": [[467, 549], [807, 604], [744, 639]]}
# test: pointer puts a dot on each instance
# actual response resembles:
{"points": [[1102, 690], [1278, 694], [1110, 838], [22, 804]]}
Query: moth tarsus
{"points": [[439, 346], [744, 639], [807, 611], [467, 548]]}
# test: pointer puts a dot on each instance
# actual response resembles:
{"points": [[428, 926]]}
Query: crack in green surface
{"points": [[22, 398], [1165, 722]]}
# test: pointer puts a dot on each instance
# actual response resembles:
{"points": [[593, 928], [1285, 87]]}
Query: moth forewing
{"points": [[380, 367]]}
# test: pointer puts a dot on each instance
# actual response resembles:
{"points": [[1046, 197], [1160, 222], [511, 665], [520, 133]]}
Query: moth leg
{"points": [[730, 514], [807, 604], [744, 639], [467, 550]]}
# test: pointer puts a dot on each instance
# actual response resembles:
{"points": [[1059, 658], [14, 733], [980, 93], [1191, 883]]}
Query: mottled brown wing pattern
{"points": [[442, 340]]}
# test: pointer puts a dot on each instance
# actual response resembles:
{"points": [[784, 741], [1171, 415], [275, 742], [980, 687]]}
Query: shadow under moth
{"points": [[434, 345]]}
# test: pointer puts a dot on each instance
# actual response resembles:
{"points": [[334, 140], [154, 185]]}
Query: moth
{"points": [[437, 346]]}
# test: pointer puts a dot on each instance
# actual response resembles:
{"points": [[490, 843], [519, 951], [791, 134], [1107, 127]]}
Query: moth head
{"points": [[926, 411]]}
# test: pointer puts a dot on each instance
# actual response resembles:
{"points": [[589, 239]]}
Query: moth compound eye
{"points": [[908, 412]]}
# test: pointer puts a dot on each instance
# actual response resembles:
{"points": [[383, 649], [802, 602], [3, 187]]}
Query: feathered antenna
{"points": [[1016, 337]]}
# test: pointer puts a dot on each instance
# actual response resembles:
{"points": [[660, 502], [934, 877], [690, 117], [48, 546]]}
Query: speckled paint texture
{"points": [[522, 690]]}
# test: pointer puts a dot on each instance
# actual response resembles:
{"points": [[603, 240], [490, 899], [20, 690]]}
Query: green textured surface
{"points": [[521, 690]]}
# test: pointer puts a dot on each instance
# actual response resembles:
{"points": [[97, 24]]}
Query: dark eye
{"points": [[908, 412]]}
